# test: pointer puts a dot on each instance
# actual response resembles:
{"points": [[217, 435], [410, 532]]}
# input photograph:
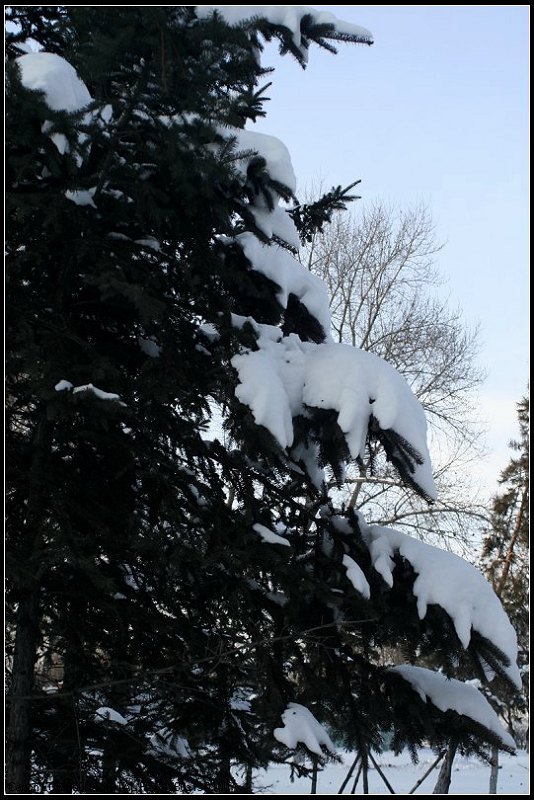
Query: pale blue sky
{"points": [[436, 110]]}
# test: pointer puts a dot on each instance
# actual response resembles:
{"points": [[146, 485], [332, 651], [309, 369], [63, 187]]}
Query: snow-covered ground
{"points": [[470, 776]]}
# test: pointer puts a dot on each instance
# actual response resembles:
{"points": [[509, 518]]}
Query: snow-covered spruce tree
{"points": [[196, 588]]}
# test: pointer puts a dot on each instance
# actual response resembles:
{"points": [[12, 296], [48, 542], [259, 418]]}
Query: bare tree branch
{"points": [[379, 267]]}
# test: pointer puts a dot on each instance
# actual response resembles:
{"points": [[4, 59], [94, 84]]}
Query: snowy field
{"points": [[470, 776]]}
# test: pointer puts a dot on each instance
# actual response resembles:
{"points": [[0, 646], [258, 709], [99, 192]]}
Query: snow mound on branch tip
{"points": [[356, 577], [450, 694], [51, 74], [301, 727], [292, 277], [289, 17], [451, 582], [275, 153], [286, 377]]}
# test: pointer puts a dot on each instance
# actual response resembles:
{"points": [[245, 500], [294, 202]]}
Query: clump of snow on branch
{"points": [[271, 380], [275, 153], [268, 536], [447, 580], [308, 453], [357, 384], [275, 224], [106, 714], [273, 221], [100, 393], [301, 727], [284, 376], [149, 347], [81, 197], [450, 694], [64, 385], [356, 577], [150, 242], [289, 17], [292, 277], [169, 745], [51, 74], [63, 91]]}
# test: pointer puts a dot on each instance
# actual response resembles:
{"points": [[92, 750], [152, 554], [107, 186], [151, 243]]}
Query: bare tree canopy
{"points": [[378, 263]]}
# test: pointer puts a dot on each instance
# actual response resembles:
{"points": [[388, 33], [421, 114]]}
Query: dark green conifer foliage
{"points": [[132, 558]]}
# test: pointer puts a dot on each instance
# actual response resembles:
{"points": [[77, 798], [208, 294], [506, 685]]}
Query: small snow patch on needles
{"points": [[268, 535], [63, 386], [100, 393], [106, 714], [356, 577]]}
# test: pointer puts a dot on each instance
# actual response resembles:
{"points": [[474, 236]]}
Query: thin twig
{"points": [[427, 773], [378, 769], [356, 779], [80, 749], [349, 774], [163, 63]]}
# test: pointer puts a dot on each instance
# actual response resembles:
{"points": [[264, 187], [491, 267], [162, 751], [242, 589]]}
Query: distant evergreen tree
{"points": [[177, 571], [506, 544], [505, 553]]}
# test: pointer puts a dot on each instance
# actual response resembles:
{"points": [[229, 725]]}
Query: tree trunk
{"points": [[225, 776], [356, 779], [68, 751], [349, 774], [19, 732], [510, 551], [494, 774], [314, 776], [18, 749], [109, 770], [365, 772], [249, 780], [444, 778]]}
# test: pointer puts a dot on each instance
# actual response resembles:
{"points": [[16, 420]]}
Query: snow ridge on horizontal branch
{"points": [[285, 376]]}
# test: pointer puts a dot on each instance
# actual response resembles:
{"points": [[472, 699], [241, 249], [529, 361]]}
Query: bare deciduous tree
{"points": [[379, 266]]}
